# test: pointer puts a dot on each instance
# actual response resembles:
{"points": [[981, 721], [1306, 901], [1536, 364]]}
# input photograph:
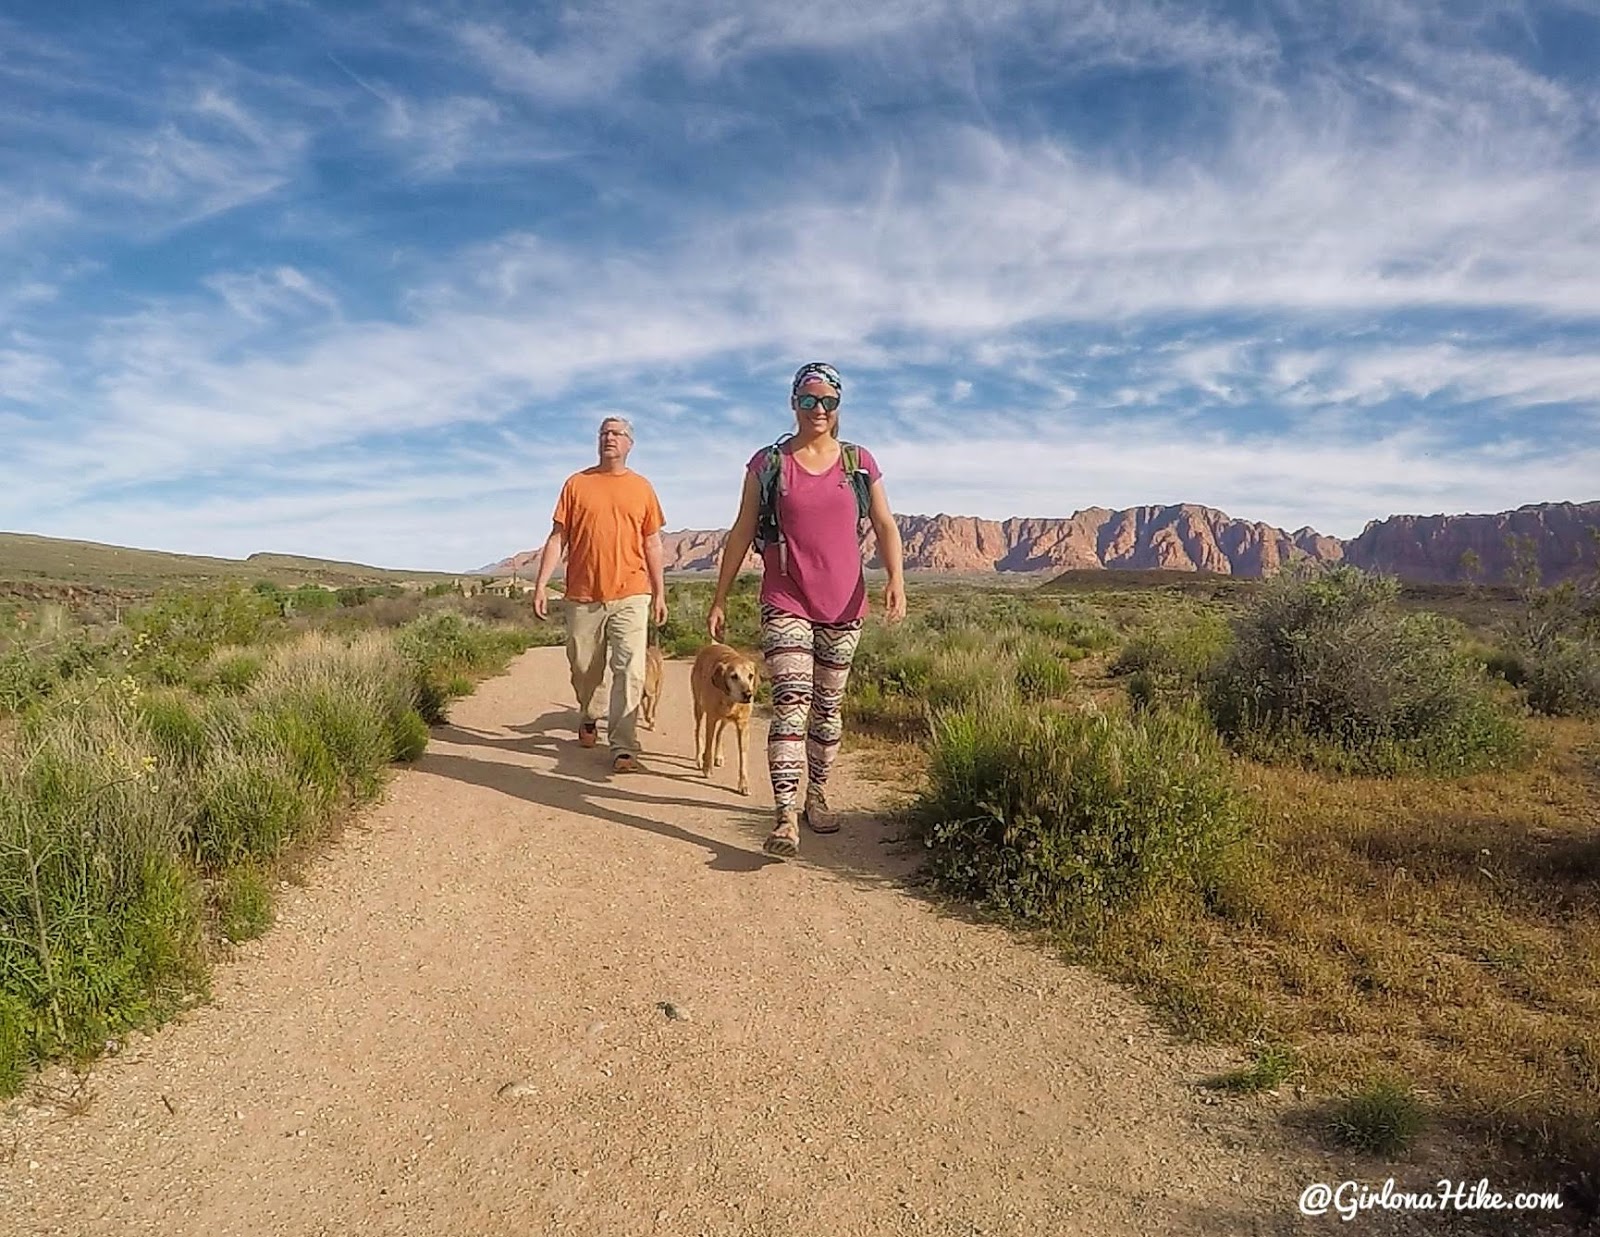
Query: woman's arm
{"points": [[740, 538], [891, 553]]}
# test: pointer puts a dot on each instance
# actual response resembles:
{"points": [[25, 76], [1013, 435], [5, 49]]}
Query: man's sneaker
{"points": [[819, 818], [624, 762], [588, 734]]}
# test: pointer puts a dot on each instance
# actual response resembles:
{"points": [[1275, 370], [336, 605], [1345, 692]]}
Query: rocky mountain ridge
{"points": [[1563, 538]]}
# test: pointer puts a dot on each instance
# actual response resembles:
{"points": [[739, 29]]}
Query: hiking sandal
{"points": [[784, 840]]}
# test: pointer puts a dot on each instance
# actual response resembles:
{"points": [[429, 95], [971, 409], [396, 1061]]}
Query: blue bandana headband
{"points": [[816, 369]]}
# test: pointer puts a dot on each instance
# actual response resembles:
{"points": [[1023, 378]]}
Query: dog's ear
{"points": [[719, 676]]}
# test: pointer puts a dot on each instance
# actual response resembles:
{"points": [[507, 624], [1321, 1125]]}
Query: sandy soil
{"points": [[526, 996]]}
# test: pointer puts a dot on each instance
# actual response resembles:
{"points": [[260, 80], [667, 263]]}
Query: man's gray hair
{"points": [[627, 425]]}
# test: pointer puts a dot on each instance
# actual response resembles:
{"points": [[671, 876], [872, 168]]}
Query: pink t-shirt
{"points": [[817, 512]]}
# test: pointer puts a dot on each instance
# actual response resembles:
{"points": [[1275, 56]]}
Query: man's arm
{"points": [[658, 577], [548, 558]]}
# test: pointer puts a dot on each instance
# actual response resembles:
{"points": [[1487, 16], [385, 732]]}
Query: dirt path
{"points": [[846, 1060]]}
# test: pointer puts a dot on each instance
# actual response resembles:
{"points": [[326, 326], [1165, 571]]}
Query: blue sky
{"points": [[360, 280]]}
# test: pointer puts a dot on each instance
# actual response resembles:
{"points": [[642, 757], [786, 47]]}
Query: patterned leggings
{"points": [[808, 664]]}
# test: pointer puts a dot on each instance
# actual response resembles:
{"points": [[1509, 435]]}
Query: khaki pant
{"points": [[622, 628]]}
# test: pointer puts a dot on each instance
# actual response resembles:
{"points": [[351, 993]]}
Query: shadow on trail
{"points": [[580, 781]]}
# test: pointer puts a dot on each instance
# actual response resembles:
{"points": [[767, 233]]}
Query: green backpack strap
{"points": [[860, 481], [769, 482]]}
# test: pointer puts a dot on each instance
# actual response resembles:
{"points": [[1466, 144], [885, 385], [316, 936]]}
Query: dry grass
{"points": [[1444, 932]]}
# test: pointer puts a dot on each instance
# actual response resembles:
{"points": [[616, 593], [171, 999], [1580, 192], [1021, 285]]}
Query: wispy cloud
{"points": [[1309, 265]]}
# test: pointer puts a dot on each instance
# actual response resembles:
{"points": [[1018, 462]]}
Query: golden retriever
{"points": [[652, 687], [723, 681]]}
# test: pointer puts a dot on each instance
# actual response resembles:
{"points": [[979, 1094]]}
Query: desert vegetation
{"points": [[159, 773], [1315, 817]]}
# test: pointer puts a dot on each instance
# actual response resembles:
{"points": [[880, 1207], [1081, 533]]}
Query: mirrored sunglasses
{"points": [[807, 402]]}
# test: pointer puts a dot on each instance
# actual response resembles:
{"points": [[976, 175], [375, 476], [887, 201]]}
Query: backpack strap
{"points": [[770, 486], [859, 480]]}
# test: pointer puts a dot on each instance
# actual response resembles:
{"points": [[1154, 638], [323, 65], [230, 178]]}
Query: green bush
{"points": [[252, 804], [1075, 635], [106, 934], [1171, 659], [1042, 673], [1326, 668], [244, 903], [1271, 1066], [962, 676], [1562, 678], [1044, 815], [175, 726], [229, 672], [1552, 646], [1384, 1119], [16, 1055], [178, 631], [410, 735]]}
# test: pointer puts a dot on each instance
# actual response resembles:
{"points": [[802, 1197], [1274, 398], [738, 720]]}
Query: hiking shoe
{"points": [[819, 817], [588, 734], [784, 840], [624, 762]]}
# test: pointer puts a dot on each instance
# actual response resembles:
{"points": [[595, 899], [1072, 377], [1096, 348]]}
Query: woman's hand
{"points": [[894, 600], [716, 619]]}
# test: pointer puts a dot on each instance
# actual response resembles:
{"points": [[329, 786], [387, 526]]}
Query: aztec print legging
{"points": [[808, 664]]}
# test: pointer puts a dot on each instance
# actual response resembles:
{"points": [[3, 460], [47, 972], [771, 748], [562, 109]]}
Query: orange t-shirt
{"points": [[604, 520]]}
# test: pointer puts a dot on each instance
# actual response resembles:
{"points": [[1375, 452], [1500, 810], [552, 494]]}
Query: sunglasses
{"points": [[807, 402]]}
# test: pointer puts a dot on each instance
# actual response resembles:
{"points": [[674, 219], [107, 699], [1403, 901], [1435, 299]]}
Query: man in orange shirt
{"points": [[609, 520]]}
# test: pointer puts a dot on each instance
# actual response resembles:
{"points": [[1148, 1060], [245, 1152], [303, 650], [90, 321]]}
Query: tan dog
{"points": [[723, 681], [652, 687]]}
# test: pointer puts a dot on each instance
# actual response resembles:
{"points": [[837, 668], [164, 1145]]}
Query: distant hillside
{"points": [[1565, 538], [26, 560]]}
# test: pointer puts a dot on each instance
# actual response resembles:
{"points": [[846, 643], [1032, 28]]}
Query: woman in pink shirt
{"points": [[813, 591]]}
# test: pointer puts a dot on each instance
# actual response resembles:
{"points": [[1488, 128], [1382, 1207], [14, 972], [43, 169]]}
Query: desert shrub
{"points": [[1326, 668], [410, 735], [1562, 679], [444, 650], [1075, 635], [1271, 1065], [175, 727], [688, 602], [1170, 659], [1042, 672], [386, 612], [89, 831], [177, 631], [1045, 815], [349, 701], [244, 903], [252, 804], [38, 658], [1551, 645], [963, 675], [229, 671], [496, 608], [1383, 1118], [16, 1053]]}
